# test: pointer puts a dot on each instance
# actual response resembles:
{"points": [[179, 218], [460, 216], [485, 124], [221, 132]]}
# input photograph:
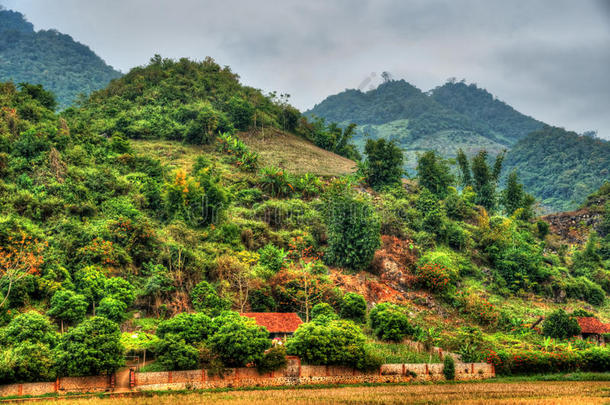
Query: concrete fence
{"points": [[293, 374]]}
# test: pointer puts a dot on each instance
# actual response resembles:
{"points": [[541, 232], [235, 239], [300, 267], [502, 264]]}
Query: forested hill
{"points": [[449, 117], [560, 167], [50, 58], [482, 107]]}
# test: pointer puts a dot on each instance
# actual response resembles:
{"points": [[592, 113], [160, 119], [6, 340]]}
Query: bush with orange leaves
{"points": [[18, 258]]}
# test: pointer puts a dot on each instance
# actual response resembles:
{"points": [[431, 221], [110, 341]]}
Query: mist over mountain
{"points": [[48, 57]]}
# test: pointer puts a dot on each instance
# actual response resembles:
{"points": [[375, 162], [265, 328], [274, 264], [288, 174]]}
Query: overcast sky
{"points": [[548, 59]]}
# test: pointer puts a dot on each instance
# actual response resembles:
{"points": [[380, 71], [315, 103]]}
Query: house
{"points": [[593, 328], [279, 324]]}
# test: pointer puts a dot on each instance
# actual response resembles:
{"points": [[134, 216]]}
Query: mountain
{"points": [[148, 207], [452, 116], [561, 168], [493, 116], [50, 58]]}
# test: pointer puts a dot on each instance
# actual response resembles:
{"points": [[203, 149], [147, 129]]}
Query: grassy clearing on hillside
{"points": [[472, 393], [282, 150], [295, 154], [172, 153]]}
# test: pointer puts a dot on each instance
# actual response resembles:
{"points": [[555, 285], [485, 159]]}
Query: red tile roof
{"points": [[276, 322], [593, 325]]}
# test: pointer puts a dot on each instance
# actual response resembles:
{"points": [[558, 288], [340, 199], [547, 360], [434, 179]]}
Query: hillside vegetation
{"points": [[559, 167], [152, 209], [50, 58], [398, 111]]}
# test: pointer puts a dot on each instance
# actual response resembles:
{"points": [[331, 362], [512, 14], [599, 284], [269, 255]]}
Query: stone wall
{"points": [[61, 385], [293, 374], [297, 374]]}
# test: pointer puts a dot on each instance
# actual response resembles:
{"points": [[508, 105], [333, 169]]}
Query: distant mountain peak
{"points": [[48, 57]]}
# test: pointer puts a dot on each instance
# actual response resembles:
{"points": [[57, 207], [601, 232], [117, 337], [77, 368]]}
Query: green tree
{"points": [[121, 290], [353, 306], [514, 198], [91, 283], [174, 353], [434, 174], [192, 328], [430, 208], [68, 307], [240, 341], [353, 230], [389, 322], [91, 348], [241, 113], [32, 362], [338, 342], [464, 165], [485, 179], [113, 309], [29, 326], [273, 359], [37, 92], [324, 310], [384, 162], [560, 325], [206, 299]]}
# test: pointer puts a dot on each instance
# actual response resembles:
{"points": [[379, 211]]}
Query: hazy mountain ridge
{"points": [[48, 57]]}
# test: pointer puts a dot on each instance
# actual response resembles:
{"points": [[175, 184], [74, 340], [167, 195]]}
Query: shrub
{"points": [[273, 359], [434, 277], [449, 368], [271, 257], [205, 298], [174, 353], [585, 289], [239, 341], [353, 306], [560, 325], [276, 182], [479, 309], [389, 322], [337, 342], [596, 359]]}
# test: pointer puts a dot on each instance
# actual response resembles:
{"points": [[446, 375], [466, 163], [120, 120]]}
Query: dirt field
{"points": [[568, 393]]}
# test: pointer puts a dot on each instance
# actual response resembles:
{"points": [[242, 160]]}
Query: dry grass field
{"points": [[295, 154], [275, 148], [568, 393]]}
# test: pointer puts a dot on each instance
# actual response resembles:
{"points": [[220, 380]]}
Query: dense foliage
{"points": [[172, 241], [560, 168], [50, 58]]}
